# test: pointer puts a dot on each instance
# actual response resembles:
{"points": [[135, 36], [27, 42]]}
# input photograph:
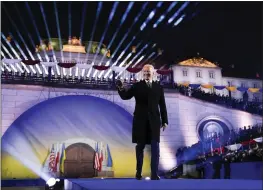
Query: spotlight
{"points": [[147, 178], [54, 184], [51, 183]]}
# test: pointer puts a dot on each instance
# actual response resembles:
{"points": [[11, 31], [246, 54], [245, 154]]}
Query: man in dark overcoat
{"points": [[150, 116]]}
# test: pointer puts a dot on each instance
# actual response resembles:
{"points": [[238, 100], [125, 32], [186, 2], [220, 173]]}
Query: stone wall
{"points": [[184, 113]]}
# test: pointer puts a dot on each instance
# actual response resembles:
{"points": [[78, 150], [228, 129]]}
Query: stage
{"points": [[130, 184], [164, 184]]}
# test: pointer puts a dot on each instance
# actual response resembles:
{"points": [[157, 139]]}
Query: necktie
{"points": [[149, 84]]}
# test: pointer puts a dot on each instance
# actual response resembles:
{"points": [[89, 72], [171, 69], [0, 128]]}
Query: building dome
{"points": [[197, 62]]}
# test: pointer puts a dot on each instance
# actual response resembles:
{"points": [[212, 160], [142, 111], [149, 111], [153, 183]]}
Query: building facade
{"points": [[201, 71]]}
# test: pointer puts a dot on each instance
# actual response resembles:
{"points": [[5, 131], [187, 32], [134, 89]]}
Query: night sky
{"points": [[228, 33]]}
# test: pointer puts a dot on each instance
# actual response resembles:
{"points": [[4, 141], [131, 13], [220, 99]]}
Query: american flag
{"points": [[52, 160], [56, 168], [97, 159], [101, 159]]}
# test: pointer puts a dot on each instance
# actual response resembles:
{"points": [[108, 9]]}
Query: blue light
{"points": [[151, 15], [143, 26]]}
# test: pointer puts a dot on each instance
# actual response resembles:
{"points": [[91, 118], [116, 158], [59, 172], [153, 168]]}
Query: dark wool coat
{"points": [[150, 111]]}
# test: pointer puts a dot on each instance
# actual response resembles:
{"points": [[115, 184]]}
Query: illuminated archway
{"points": [[64, 118], [213, 124]]}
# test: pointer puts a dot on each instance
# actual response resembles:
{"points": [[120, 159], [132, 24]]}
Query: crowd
{"points": [[237, 146], [242, 104]]}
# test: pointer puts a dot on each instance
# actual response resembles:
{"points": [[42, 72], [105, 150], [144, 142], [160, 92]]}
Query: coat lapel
{"points": [[152, 89], [154, 85]]}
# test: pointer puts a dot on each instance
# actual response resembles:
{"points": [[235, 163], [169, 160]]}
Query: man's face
{"points": [[147, 73]]}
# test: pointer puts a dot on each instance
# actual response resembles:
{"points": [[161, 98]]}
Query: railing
{"points": [[109, 84]]}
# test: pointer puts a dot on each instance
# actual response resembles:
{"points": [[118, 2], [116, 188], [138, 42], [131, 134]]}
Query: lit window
{"points": [[198, 74], [211, 75], [185, 73]]}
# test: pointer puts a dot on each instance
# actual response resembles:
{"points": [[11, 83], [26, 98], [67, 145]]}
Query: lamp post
{"points": [[49, 65], [229, 92]]}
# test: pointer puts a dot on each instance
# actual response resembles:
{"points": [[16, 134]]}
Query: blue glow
{"points": [[139, 53], [36, 29], [20, 36], [83, 19], [82, 28], [137, 17], [124, 37], [178, 12], [143, 26], [58, 30], [103, 35], [46, 26], [113, 38], [160, 4], [18, 47], [151, 15], [171, 6], [162, 17], [179, 20], [113, 11], [6, 50], [152, 54], [94, 26], [69, 18], [127, 12], [25, 28], [158, 21], [135, 57], [109, 70]]}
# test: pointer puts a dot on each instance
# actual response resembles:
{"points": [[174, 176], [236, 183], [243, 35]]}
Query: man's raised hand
{"points": [[119, 84]]}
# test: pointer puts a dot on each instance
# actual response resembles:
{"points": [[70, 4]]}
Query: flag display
{"points": [[62, 158], [100, 159], [109, 158], [52, 159], [56, 168], [97, 159], [71, 146]]}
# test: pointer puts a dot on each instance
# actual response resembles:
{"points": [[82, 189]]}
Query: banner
{"points": [[242, 89], [194, 85], [253, 90], [231, 88], [219, 87], [208, 86]]}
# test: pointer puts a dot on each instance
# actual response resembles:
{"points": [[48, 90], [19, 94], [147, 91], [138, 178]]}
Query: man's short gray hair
{"points": [[148, 65]]}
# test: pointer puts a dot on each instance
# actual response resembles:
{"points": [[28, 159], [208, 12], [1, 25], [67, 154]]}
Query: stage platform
{"points": [[132, 184], [164, 184]]}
